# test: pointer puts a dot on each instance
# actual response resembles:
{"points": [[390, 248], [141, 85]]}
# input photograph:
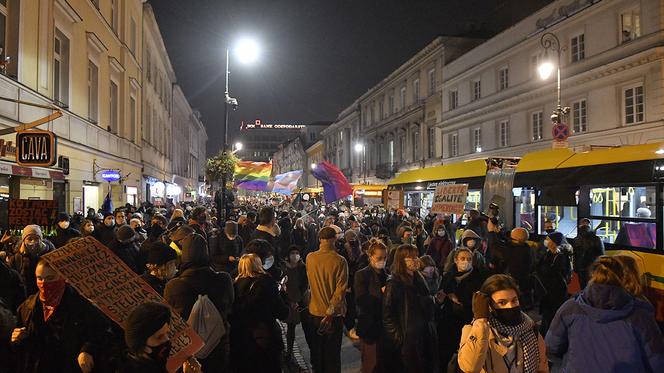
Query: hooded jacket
{"points": [[478, 258], [606, 329], [25, 264]]}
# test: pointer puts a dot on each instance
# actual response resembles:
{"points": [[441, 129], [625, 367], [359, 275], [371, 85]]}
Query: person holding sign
{"points": [[57, 330]]}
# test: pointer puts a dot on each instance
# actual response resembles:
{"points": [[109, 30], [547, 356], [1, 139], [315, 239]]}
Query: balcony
{"points": [[386, 170]]}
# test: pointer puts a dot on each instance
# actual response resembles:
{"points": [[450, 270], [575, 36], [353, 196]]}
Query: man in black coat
{"points": [[12, 289], [63, 232], [31, 247], [105, 232], [587, 247], [124, 246], [247, 229], [226, 252], [197, 277], [57, 330], [512, 256], [266, 227], [369, 284]]}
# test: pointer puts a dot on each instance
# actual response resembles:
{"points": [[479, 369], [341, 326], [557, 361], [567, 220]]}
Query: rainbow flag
{"points": [[252, 175], [335, 184]]}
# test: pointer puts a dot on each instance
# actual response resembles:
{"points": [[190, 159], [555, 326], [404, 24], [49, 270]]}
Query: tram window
{"points": [[564, 219], [629, 202], [630, 234], [473, 199], [524, 208]]}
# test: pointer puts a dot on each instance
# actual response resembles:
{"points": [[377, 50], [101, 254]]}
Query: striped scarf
{"points": [[526, 336]]}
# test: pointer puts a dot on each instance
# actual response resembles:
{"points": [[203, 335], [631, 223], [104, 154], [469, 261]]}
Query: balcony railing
{"points": [[386, 170]]}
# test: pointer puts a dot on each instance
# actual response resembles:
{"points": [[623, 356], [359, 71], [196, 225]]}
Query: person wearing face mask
{"points": [[300, 236], [148, 344], [227, 248], [63, 232], [265, 229], [430, 273], [457, 289], [421, 237], [197, 277], [440, 245], [369, 284], [473, 242], [406, 238], [198, 221], [105, 232], [548, 226], [87, 228], [501, 338], [587, 248], [296, 286], [120, 218], [31, 247], [137, 225], [265, 251], [57, 330], [553, 273], [161, 266], [408, 317]]}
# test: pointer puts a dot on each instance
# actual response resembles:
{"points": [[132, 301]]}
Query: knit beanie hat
{"points": [[557, 238], [159, 253], [31, 229], [125, 234], [107, 214], [63, 216], [143, 322]]}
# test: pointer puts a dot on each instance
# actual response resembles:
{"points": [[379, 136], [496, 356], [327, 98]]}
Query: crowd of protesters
{"points": [[414, 294]]}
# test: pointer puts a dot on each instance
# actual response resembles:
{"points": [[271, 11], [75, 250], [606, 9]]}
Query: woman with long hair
{"points": [[609, 326], [501, 338], [256, 343], [408, 317]]}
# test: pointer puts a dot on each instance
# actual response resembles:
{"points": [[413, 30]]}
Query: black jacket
{"points": [[26, 264], [464, 290], [554, 273], [156, 283], [139, 364], [368, 284], [587, 248], [224, 248], [104, 234], [12, 290], [510, 257], [408, 319], [53, 346], [258, 234], [62, 236], [246, 231], [128, 252], [182, 292]]}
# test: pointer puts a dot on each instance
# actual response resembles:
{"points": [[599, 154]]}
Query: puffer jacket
{"points": [[481, 352], [606, 329], [479, 262]]}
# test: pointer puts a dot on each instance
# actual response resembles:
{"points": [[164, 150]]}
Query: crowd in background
{"points": [[415, 294]]}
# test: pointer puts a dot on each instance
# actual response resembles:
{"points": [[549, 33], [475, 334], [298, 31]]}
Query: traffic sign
{"points": [[560, 132]]}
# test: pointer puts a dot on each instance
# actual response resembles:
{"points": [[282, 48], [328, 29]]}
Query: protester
{"points": [[512, 256], [265, 252], [125, 247], [105, 232], [440, 246], [12, 288], [296, 289], [408, 317], [63, 232], [120, 218], [247, 229], [256, 337], [87, 228], [553, 273], [327, 273], [300, 235], [267, 230], [161, 266], [32, 247], [137, 225], [609, 326], [473, 242], [587, 248], [431, 275], [501, 337], [196, 278], [177, 219], [226, 251], [369, 285], [198, 221], [421, 237]]}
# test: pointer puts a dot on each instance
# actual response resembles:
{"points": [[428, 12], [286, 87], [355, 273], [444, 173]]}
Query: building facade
{"points": [[293, 155], [315, 155], [495, 103]]}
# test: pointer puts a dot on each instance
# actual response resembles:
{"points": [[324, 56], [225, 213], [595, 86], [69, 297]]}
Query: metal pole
{"points": [[221, 210], [364, 162], [559, 96]]}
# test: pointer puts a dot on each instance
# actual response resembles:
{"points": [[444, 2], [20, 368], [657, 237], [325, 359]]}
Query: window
{"points": [[61, 68], [578, 48], [93, 91], [390, 152], [402, 146], [390, 103], [432, 81], [454, 99], [477, 89], [402, 98], [625, 215], [454, 145], [113, 107], [416, 90], [132, 35], [634, 112], [630, 24], [536, 124], [477, 140], [364, 118], [579, 116], [115, 21], [3, 24], [503, 78], [504, 133], [535, 61], [432, 142], [372, 114], [563, 218], [381, 109], [416, 145]]}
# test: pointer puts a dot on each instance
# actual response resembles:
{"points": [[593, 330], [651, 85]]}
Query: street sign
{"points": [[110, 175], [35, 148], [560, 132]]}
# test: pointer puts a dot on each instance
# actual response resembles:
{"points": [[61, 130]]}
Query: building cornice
{"points": [[68, 10]]}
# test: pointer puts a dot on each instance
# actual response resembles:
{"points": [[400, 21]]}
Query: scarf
{"points": [[50, 295], [462, 276], [526, 336]]}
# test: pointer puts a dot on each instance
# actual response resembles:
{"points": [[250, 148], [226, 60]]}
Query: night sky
{"points": [[317, 56]]}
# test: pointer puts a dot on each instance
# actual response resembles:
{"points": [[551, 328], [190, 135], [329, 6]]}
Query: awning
{"points": [[461, 170], [38, 172], [370, 187]]}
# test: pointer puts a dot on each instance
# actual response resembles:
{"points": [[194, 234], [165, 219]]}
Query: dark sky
{"points": [[317, 56]]}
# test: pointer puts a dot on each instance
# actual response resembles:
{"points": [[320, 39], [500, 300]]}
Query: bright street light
{"points": [[359, 147], [247, 51], [313, 166], [545, 70], [238, 146]]}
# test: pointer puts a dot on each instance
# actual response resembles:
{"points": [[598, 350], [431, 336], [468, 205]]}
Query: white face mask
{"points": [[295, 258], [269, 261], [378, 265], [464, 266], [470, 244], [109, 223], [441, 233], [63, 224]]}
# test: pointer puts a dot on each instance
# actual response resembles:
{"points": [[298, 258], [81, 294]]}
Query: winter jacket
{"points": [[53, 346], [246, 231], [327, 273], [478, 258], [140, 364], [464, 288], [368, 284], [587, 248], [408, 322], [12, 290], [174, 223], [606, 329], [481, 352], [156, 283], [223, 249], [26, 263], [264, 233], [439, 248], [554, 273], [510, 257], [62, 236], [128, 252], [104, 234]]}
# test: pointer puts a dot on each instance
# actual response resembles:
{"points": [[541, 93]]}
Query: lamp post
{"points": [[551, 44], [246, 51], [360, 148]]}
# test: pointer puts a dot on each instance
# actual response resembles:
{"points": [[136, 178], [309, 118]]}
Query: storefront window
{"points": [[474, 199], [524, 208], [564, 219]]}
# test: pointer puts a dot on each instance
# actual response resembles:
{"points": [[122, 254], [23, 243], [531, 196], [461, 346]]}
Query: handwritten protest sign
{"points": [[106, 281], [393, 199], [23, 212], [450, 199]]}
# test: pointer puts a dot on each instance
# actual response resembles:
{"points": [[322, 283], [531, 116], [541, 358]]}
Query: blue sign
{"points": [[110, 175]]}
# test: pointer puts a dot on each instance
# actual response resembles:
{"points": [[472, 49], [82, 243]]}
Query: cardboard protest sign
{"points": [[23, 212], [393, 199], [106, 281], [450, 199]]}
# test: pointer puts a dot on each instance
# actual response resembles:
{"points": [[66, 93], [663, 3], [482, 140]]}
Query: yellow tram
{"points": [[621, 190]]}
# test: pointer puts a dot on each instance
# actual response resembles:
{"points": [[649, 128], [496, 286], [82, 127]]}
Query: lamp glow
{"points": [[545, 69], [313, 166], [238, 146], [247, 51], [359, 147]]}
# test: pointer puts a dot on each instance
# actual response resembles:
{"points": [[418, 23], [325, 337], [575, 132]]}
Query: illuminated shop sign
{"points": [[35, 148], [258, 124], [110, 175]]}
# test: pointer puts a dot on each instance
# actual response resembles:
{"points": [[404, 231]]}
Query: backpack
{"points": [[208, 323]]}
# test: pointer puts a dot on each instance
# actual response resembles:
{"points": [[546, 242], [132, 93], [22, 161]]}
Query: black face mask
{"points": [[509, 316], [160, 353], [549, 230]]}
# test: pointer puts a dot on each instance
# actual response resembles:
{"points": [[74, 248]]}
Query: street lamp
{"points": [[246, 51], [551, 44], [360, 148], [237, 146]]}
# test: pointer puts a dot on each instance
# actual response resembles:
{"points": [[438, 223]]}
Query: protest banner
{"points": [[393, 199], [101, 277], [24, 212], [450, 199]]}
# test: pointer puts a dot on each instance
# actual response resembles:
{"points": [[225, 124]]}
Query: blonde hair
{"points": [[618, 270], [249, 266]]}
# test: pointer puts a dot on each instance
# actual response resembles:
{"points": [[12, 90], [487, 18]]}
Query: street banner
{"points": [[106, 281], [450, 199], [393, 199], [24, 212]]}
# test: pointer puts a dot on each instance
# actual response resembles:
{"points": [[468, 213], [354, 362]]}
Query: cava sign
{"points": [[35, 148]]}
